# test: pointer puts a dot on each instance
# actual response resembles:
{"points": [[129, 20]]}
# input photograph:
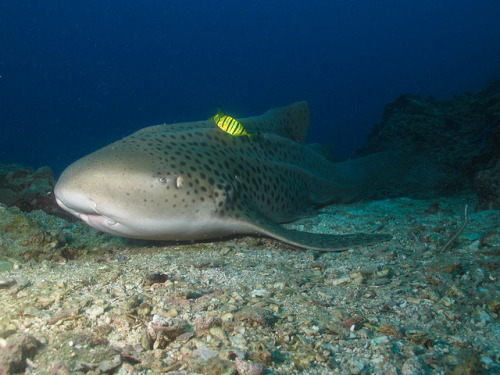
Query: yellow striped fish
{"points": [[230, 125]]}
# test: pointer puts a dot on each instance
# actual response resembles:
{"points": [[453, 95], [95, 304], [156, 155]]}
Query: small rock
{"points": [[381, 340], [7, 282], [412, 366], [487, 361], [155, 278], [203, 323], [494, 306], [166, 328], [17, 350], [218, 333], [340, 281], [109, 367], [5, 265], [492, 239], [470, 364], [248, 368], [381, 274], [258, 315], [95, 311], [14, 283], [204, 353], [261, 293]]}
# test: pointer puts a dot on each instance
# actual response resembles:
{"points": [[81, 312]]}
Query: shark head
{"points": [[151, 186]]}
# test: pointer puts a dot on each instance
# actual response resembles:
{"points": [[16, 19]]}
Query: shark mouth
{"points": [[94, 219], [85, 208], [97, 221]]}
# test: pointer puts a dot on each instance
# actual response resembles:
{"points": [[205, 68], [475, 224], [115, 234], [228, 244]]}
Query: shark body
{"points": [[192, 181]]}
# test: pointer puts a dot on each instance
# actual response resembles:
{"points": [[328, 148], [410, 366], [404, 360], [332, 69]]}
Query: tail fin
{"points": [[359, 178]]}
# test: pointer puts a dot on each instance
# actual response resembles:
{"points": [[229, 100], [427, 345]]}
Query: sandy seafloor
{"points": [[75, 301]]}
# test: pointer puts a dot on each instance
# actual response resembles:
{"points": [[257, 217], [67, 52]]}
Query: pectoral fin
{"points": [[314, 241]]}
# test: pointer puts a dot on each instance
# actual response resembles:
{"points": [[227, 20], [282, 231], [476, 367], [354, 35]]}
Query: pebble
{"points": [[381, 340], [218, 332], [16, 351], [248, 368], [204, 353], [487, 361], [5, 266], [339, 281], [412, 366], [261, 293], [257, 315], [109, 366], [7, 282], [382, 273], [95, 311]]}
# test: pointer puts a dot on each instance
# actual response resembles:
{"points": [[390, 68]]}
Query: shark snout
{"points": [[73, 201], [83, 207]]}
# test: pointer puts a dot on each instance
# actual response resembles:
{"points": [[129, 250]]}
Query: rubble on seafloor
{"points": [[252, 305]]}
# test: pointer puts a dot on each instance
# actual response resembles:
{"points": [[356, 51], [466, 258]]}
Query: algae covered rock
{"points": [[28, 189], [487, 184], [39, 236], [442, 144]]}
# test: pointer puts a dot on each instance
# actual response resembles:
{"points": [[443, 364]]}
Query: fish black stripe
{"points": [[239, 130], [227, 123], [220, 123], [234, 126]]}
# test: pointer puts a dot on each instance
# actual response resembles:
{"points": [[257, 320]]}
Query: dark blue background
{"points": [[76, 75]]}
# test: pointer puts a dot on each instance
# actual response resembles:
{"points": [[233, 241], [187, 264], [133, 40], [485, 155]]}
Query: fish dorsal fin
{"points": [[291, 122]]}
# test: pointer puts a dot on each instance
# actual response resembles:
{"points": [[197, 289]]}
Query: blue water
{"points": [[76, 75]]}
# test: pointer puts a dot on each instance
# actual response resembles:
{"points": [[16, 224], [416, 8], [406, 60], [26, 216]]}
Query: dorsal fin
{"points": [[291, 122]]}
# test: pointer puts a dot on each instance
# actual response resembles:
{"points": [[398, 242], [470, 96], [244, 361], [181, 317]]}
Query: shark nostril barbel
{"points": [[111, 221]]}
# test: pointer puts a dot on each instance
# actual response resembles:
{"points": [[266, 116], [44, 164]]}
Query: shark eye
{"points": [[162, 180]]}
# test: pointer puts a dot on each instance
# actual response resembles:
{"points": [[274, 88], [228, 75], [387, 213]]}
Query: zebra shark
{"points": [[192, 181]]}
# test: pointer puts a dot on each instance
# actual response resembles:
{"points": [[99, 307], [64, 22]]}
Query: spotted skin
{"points": [[191, 181]]}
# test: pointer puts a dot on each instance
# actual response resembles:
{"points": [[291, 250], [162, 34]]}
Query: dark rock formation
{"points": [[28, 189], [445, 147]]}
